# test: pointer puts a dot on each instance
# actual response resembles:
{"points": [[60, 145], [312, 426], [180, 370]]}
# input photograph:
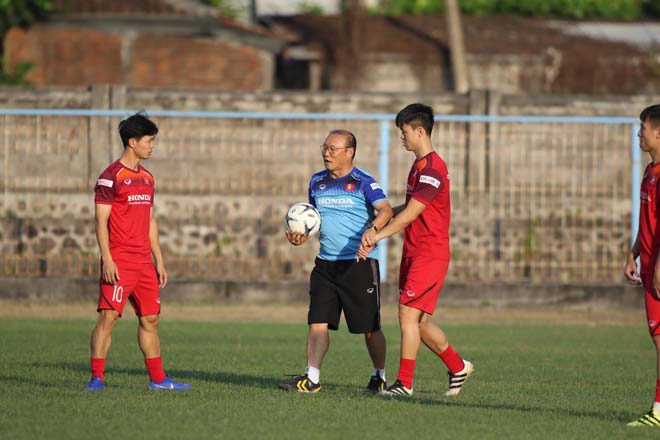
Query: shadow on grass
{"points": [[336, 389]]}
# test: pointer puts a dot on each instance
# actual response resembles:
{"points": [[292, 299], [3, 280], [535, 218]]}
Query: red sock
{"points": [[155, 369], [657, 391], [452, 360], [98, 367], [406, 372]]}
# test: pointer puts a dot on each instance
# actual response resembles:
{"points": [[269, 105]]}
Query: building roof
{"points": [[150, 9], [417, 33]]}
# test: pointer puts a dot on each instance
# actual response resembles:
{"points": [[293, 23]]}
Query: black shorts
{"points": [[347, 285]]}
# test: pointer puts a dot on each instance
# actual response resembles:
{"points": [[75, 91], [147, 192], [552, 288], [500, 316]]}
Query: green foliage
{"points": [[22, 13], [226, 7], [309, 7], [651, 8], [15, 78], [578, 9]]}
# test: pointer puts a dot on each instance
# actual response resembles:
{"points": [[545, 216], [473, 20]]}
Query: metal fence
{"points": [[534, 199]]}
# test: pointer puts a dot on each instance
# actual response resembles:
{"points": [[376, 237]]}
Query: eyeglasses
{"points": [[331, 149]]}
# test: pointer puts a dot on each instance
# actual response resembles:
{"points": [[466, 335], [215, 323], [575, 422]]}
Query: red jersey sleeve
{"points": [[105, 189], [428, 186]]}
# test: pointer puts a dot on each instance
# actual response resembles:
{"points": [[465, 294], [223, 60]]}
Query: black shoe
{"points": [[376, 385], [301, 384]]}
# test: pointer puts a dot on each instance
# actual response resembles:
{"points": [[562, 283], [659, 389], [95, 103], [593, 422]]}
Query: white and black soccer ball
{"points": [[304, 218]]}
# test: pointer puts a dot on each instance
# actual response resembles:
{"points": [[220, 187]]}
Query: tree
{"points": [[20, 13]]}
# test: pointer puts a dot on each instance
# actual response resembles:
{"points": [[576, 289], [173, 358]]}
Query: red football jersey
{"points": [[131, 194], [649, 240], [428, 234]]}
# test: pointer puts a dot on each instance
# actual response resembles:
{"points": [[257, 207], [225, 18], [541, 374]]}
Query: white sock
{"points": [[314, 374], [380, 372], [656, 405]]}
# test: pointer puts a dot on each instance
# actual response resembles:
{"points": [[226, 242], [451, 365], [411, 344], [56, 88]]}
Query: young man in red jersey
{"points": [[647, 245], [127, 235], [425, 259]]}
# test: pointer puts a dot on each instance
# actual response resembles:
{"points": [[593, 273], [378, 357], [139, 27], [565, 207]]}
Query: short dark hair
{"points": [[652, 114], [135, 127], [416, 115], [351, 141]]}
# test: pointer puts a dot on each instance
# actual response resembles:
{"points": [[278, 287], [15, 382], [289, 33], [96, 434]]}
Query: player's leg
{"points": [[100, 342], [110, 307], [409, 319], [323, 315], [146, 303], [359, 293], [459, 369], [652, 418]]}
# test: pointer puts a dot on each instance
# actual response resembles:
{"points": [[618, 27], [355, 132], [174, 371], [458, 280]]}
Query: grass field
{"points": [[532, 381]]}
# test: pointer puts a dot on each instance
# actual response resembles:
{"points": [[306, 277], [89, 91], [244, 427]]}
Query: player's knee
{"points": [[107, 319], [149, 322]]}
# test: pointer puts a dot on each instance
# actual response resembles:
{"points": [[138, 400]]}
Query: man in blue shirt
{"points": [[350, 201]]}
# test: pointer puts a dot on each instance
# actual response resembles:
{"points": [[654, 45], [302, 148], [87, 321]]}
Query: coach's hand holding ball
{"points": [[296, 238]]}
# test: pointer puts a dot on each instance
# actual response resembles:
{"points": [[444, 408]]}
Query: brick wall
{"points": [[65, 56], [71, 57], [160, 61]]}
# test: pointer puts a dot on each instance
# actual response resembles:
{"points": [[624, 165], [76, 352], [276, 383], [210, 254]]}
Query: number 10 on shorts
{"points": [[117, 294]]}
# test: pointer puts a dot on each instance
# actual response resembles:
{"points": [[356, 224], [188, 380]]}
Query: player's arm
{"points": [[412, 210], [630, 272], [397, 209], [384, 212], [406, 216], [156, 251], [110, 271]]}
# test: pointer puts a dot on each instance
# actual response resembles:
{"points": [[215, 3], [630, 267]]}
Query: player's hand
{"points": [[363, 252], [162, 275], [631, 273], [369, 238], [296, 238], [110, 272]]}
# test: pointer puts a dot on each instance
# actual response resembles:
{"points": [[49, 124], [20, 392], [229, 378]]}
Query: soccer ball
{"points": [[303, 217]]}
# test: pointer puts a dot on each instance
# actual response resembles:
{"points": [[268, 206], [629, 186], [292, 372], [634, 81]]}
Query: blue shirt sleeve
{"points": [[372, 191]]}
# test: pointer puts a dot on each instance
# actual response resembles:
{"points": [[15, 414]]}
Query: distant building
{"points": [[146, 43], [512, 55]]}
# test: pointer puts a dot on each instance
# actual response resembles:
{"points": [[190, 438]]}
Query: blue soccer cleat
{"points": [[95, 384], [169, 385]]}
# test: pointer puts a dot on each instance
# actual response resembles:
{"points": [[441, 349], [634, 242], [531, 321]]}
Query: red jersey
{"points": [[649, 240], [131, 194], [428, 234]]}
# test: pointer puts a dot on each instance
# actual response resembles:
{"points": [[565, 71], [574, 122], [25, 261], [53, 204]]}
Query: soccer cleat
{"points": [[456, 381], [397, 389], [649, 419], [301, 384], [376, 385], [169, 385], [95, 384]]}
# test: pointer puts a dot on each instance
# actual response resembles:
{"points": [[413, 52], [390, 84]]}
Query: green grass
{"points": [[532, 381]]}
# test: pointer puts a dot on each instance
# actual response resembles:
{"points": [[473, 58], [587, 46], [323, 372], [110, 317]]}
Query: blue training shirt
{"points": [[346, 206]]}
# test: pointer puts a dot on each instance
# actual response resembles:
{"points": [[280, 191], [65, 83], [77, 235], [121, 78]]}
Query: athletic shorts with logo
{"points": [[652, 305], [138, 283], [420, 282], [347, 285]]}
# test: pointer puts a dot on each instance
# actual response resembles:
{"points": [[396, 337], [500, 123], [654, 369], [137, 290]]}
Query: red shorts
{"points": [[137, 283], [652, 305], [420, 282]]}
